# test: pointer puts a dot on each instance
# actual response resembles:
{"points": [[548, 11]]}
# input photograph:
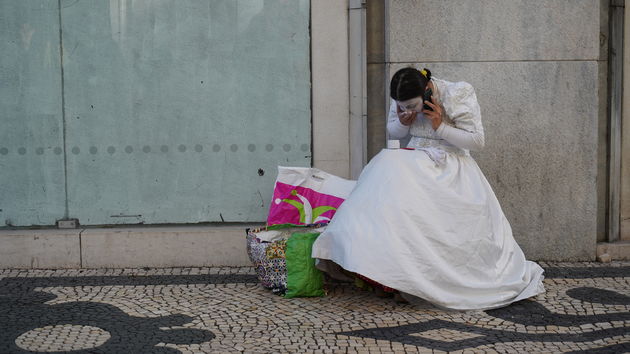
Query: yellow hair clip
{"points": [[424, 73]]}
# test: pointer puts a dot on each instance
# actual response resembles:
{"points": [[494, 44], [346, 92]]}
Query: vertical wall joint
{"points": [[376, 76], [615, 104]]}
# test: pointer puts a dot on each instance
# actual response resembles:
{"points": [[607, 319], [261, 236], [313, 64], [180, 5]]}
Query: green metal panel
{"points": [[174, 107], [31, 125]]}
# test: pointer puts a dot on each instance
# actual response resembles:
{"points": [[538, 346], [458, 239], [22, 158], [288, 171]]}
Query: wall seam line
{"points": [[310, 66], [81, 248], [489, 61], [63, 115]]}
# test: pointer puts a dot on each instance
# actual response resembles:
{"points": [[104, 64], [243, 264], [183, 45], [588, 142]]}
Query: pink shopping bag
{"points": [[304, 195]]}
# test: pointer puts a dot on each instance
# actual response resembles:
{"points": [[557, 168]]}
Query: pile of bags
{"points": [[304, 201]]}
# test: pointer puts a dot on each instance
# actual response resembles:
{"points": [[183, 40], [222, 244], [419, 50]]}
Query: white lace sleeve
{"points": [[463, 127]]}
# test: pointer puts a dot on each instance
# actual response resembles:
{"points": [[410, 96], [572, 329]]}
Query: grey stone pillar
{"points": [[376, 77]]}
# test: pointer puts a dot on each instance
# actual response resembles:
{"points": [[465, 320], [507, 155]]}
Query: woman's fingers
{"points": [[431, 114], [406, 118], [435, 116], [402, 117], [435, 113], [432, 105]]}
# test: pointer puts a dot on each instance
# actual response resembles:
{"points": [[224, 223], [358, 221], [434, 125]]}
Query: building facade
{"points": [[174, 115]]}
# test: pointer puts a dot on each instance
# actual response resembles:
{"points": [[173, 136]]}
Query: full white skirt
{"points": [[435, 232]]}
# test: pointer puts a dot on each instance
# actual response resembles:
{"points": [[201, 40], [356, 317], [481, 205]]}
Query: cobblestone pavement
{"points": [[585, 309]]}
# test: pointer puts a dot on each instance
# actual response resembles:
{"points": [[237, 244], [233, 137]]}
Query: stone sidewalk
{"points": [[203, 310]]}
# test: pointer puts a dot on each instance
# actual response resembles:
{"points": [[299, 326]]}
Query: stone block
{"points": [[193, 246], [493, 30], [540, 121], [604, 258], [39, 249], [616, 251], [335, 167], [330, 101]]}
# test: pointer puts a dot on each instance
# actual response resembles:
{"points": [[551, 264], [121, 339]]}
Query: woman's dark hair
{"points": [[408, 83]]}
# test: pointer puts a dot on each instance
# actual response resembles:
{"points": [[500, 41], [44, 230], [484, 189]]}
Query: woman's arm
{"points": [[395, 128], [461, 138], [463, 110]]}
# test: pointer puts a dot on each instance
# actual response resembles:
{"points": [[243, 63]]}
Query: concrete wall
{"points": [[180, 246], [536, 68], [331, 103]]}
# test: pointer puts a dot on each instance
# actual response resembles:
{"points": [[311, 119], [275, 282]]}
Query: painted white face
{"points": [[414, 104]]}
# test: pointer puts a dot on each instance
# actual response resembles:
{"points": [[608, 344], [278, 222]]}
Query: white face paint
{"points": [[414, 104]]}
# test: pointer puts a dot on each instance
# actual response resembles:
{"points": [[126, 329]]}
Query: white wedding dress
{"points": [[427, 223]]}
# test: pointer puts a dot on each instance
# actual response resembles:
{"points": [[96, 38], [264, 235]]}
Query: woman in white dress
{"points": [[425, 221]]}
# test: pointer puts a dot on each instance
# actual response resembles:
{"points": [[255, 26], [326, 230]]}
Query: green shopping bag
{"points": [[303, 278]]}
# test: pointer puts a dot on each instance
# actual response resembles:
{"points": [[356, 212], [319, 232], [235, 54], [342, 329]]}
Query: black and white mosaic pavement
{"points": [[586, 309]]}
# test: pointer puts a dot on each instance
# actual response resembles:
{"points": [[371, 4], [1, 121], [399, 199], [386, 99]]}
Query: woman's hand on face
{"points": [[406, 117], [436, 114]]}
